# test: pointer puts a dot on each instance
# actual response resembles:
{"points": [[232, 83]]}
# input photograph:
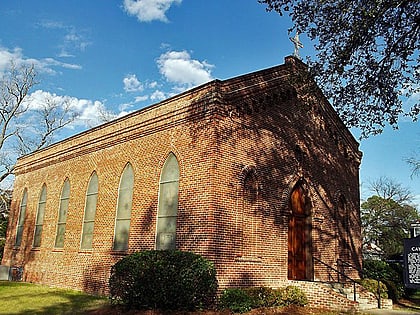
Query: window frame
{"points": [[125, 186], [64, 201], [21, 219], [39, 220], [162, 216], [90, 195]]}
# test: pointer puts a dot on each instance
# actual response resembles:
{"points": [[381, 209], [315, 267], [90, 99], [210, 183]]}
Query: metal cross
{"points": [[295, 40]]}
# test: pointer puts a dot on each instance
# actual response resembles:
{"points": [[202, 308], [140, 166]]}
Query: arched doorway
{"points": [[300, 235]]}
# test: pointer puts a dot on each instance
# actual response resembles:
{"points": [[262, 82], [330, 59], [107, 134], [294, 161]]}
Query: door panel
{"points": [[299, 238]]}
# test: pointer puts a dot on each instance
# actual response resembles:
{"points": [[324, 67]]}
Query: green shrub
{"points": [[261, 296], [390, 274], [293, 295], [166, 280], [241, 300], [372, 286], [237, 300]]}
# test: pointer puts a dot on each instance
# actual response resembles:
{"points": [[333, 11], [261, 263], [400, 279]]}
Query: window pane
{"points": [[168, 199], [87, 235], [93, 185], [43, 195], [19, 229], [170, 171], [19, 235], [37, 236], [90, 211], [122, 228], [90, 207], [40, 214], [125, 199], [62, 214], [64, 205], [127, 178], [65, 194], [59, 240], [22, 209], [165, 241], [168, 204], [166, 224]]}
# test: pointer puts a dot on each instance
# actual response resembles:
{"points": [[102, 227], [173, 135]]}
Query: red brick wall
{"points": [[264, 124]]}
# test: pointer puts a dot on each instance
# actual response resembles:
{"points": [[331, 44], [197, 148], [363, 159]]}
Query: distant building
{"points": [[257, 173]]}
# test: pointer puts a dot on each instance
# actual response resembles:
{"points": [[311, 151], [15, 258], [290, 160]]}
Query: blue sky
{"points": [[117, 56]]}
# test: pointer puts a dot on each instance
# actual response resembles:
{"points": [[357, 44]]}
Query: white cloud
{"points": [[149, 10], [73, 40], [132, 84], [89, 112], [7, 56], [152, 85], [141, 98], [157, 96], [45, 65], [178, 67]]}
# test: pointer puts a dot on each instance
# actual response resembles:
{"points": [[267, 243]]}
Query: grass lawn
{"points": [[26, 298]]}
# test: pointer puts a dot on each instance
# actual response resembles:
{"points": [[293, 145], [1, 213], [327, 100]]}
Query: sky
{"points": [[112, 57]]}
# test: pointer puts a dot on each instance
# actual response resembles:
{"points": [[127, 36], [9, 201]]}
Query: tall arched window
{"points": [[40, 216], [249, 214], [62, 214], [90, 211], [168, 204], [125, 200], [21, 221]]}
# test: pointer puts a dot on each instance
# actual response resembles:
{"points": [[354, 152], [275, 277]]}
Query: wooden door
{"points": [[299, 238]]}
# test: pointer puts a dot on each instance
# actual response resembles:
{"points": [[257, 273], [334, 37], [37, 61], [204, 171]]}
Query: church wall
{"points": [[242, 144], [89, 269]]}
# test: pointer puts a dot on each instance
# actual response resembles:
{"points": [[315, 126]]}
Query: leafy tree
{"points": [[367, 55], [386, 216]]}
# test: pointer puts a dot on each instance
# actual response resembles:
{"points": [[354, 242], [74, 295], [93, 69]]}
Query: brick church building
{"points": [[257, 173]]}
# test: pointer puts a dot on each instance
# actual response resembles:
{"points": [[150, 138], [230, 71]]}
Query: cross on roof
{"points": [[295, 40]]}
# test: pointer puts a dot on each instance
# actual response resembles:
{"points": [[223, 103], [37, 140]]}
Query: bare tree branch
{"points": [[388, 189], [26, 125], [414, 162]]}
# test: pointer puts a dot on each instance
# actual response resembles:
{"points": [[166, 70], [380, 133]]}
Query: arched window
{"points": [[250, 213], [40, 216], [62, 214], [90, 211], [168, 204], [125, 201], [21, 221]]}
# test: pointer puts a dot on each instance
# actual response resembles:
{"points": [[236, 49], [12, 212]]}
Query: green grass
{"points": [[26, 298]]}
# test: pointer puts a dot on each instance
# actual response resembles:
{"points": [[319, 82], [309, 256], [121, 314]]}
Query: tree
{"points": [[388, 189], [26, 126], [414, 163], [367, 58], [386, 216], [5, 197]]}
